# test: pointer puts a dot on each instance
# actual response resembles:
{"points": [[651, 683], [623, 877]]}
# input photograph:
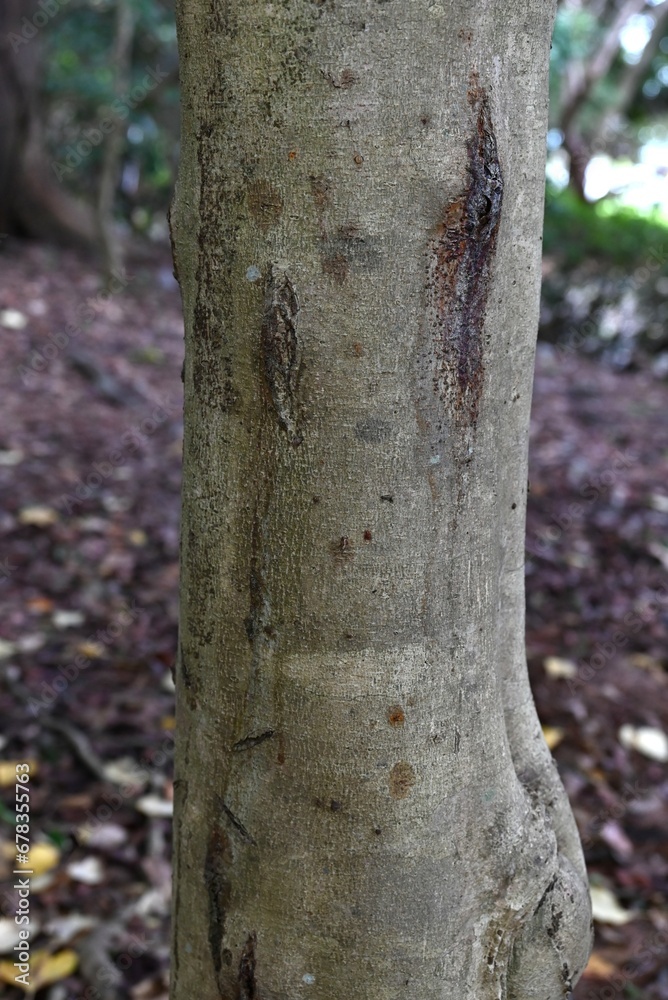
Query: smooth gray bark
{"points": [[365, 805]]}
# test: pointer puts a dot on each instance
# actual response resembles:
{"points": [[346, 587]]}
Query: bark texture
{"points": [[365, 805]]}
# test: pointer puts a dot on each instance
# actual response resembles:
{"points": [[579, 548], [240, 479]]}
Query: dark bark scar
{"points": [[460, 255], [247, 989], [184, 673], [281, 349], [217, 865], [253, 741]]}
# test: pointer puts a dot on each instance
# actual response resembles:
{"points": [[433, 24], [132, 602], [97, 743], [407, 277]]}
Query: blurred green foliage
{"points": [[577, 36], [79, 93], [610, 234]]}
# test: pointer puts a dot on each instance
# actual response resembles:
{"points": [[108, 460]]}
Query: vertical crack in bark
{"points": [[255, 717], [281, 349], [552, 950], [460, 260], [257, 622], [236, 824], [217, 864]]}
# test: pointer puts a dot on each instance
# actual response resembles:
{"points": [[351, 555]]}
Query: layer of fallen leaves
{"points": [[90, 450], [597, 634]]}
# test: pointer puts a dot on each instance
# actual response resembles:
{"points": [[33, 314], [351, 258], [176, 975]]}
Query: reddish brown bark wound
{"points": [[402, 779], [396, 715], [460, 260]]}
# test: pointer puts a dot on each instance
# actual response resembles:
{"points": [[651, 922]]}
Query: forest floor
{"points": [[90, 447]]}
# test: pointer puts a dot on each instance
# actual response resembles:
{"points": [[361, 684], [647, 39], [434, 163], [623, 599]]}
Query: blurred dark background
{"points": [[90, 443]]}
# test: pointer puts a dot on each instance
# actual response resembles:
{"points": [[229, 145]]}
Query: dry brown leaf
{"points": [[598, 967], [40, 605]]}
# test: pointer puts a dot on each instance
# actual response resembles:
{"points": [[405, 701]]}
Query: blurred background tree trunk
{"points": [[32, 202], [121, 60]]}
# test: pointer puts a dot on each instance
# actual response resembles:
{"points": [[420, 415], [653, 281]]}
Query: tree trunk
{"points": [[365, 806], [32, 203], [121, 60]]}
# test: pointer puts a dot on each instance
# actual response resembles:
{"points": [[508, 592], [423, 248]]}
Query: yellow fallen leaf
{"points": [[91, 650], [8, 771], [553, 736], [556, 666], [644, 662], [168, 722], [8, 973], [42, 858], [599, 968], [44, 970], [39, 517]]}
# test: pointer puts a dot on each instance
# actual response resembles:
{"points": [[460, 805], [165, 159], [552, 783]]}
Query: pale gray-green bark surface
{"points": [[365, 806]]}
